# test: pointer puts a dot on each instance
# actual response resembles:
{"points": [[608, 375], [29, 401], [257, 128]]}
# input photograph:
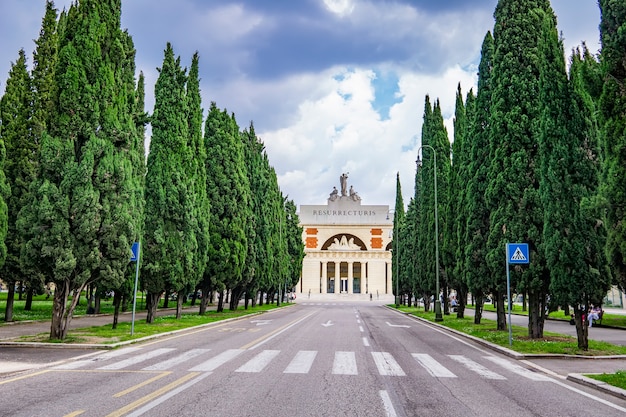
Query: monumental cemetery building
{"points": [[347, 248]]}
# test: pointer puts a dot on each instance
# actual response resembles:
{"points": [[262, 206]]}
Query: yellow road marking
{"points": [[150, 397], [144, 383], [75, 413], [24, 377], [272, 333]]}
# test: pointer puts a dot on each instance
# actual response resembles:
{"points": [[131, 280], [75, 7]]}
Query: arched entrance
{"points": [[344, 276]]}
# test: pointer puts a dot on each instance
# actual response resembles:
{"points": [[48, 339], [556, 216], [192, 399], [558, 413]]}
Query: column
{"points": [[350, 277], [337, 277], [324, 277]]}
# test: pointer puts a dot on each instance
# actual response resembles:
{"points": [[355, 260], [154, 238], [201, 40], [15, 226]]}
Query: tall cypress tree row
{"points": [[397, 243], [85, 174], [229, 192], [612, 108], [478, 275], [569, 166], [19, 167], [513, 190]]}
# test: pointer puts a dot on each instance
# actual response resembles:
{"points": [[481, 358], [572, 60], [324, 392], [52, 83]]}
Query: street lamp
{"points": [[438, 316], [397, 274]]}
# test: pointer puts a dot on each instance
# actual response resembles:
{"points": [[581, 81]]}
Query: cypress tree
{"points": [[397, 253], [229, 192], [84, 176], [169, 234], [295, 246], [253, 150], [200, 217], [478, 276], [16, 151], [455, 216], [439, 161], [612, 110], [409, 237], [424, 198], [513, 191], [569, 166]]}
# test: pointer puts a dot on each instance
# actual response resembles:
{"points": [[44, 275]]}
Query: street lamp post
{"points": [[438, 315]]}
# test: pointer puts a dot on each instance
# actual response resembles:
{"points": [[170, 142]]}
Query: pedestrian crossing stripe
{"points": [[343, 363], [518, 255]]}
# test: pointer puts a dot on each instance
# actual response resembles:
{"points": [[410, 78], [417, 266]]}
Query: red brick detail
{"points": [[376, 232], [311, 231], [311, 242], [377, 243]]}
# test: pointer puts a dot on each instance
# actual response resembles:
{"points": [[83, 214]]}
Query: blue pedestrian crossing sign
{"points": [[134, 252], [517, 253]]}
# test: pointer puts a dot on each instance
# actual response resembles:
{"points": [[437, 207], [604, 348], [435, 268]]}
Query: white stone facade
{"points": [[346, 250]]}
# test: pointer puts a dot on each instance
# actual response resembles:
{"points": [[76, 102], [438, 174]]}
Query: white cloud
{"points": [[340, 131], [340, 7]]}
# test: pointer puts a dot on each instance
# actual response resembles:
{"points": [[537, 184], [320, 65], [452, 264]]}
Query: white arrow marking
{"points": [[397, 325], [328, 323], [261, 322]]}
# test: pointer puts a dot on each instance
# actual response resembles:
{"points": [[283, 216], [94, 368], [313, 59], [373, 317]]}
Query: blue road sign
{"points": [[518, 253], [135, 252]]}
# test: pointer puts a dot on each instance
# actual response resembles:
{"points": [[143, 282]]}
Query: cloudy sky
{"points": [[332, 86]]}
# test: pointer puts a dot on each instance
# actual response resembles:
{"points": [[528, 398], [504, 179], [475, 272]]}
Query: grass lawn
{"points": [[552, 343], [608, 319], [42, 310], [618, 379], [162, 324]]}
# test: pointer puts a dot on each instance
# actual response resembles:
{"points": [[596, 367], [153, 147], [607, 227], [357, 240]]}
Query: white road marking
{"points": [[141, 411], [259, 362], [387, 405], [476, 367], [432, 366], [97, 358], [280, 332], [136, 359], [366, 342], [387, 365], [519, 370], [397, 325], [301, 363], [345, 364], [170, 363], [361, 329], [217, 361]]}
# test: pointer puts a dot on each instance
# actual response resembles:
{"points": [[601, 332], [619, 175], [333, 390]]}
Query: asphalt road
{"points": [[313, 359]]}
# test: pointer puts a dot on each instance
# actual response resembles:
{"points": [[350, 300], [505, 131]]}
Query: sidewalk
{"points": [[14, 330]]}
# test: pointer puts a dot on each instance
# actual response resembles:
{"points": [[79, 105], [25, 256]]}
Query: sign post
{"points": [[135, 258], [516, 253]]}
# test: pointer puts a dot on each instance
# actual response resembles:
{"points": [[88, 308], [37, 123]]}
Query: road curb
{"points": [[599, 385]]}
